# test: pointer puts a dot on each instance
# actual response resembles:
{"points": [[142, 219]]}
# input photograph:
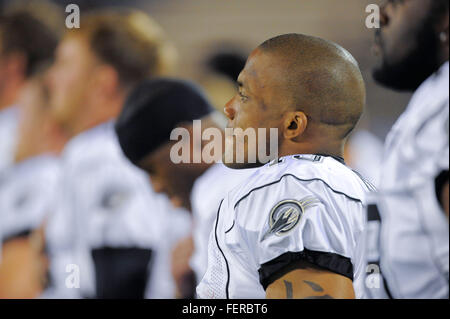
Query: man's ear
{"points": [[294, 124]]}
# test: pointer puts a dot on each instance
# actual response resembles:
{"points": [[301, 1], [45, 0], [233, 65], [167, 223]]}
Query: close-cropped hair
{"points": [[31, 29], [128, 40]]}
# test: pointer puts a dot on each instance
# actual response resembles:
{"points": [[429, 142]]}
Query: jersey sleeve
{"points": [[301, 220]]}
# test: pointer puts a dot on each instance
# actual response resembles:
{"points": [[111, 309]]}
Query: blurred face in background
{"points": [[71, 80], [4, 67], [33, 108], [12, 70], [38, 130], [176, 180], [407, 44]]}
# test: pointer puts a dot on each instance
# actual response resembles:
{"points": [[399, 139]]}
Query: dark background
{"points": [[198, 27]]}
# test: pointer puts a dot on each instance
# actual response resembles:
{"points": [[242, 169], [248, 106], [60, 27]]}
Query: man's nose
{"points": [[229, 110]]}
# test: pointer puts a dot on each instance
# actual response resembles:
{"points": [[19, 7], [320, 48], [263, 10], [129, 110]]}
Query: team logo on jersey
{"points": [[286, 215]]}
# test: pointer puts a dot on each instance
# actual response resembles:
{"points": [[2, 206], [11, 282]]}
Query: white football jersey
{"points": [[175, 224], [408, 230], [208, 191], [114, 222], [9, 119], [300, 207], [27, 195]]}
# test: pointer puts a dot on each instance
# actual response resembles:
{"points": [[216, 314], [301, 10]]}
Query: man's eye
{"points": [[243, 97]]}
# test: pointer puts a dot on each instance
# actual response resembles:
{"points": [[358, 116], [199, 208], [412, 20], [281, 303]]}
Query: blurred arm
{"points": [[23, 267]]}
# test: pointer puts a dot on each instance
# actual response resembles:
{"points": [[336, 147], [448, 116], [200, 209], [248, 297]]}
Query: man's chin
{"points": [[408, 71], [395, 78]]}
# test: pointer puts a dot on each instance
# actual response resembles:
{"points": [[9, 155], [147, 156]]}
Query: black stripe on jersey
{"points": [[17, 235], [220, 249], [226, 232], [337, 158], [299, 179], [372, 213], [270, 271], [121, 273]]}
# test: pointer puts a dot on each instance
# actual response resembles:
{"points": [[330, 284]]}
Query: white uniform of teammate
{"points": [[9, 119], [207, 193], [299, 207], [27, 195], [110, 212], [8, 128], [412, 246]]}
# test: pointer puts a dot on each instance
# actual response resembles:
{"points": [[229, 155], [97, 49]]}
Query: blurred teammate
{"points": [[150, 113], [409, 229], [110, 222], [25, 42], [144, 129], [294, 228], [28, 195]]}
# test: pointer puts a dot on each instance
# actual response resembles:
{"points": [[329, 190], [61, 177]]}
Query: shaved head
{"points": [[319, 78]]}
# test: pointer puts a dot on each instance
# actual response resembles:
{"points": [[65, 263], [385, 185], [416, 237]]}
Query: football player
{"points": [[26, 40], [294, 228], [28, 194], [408, 220], [109, 222], [151, 112]]}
